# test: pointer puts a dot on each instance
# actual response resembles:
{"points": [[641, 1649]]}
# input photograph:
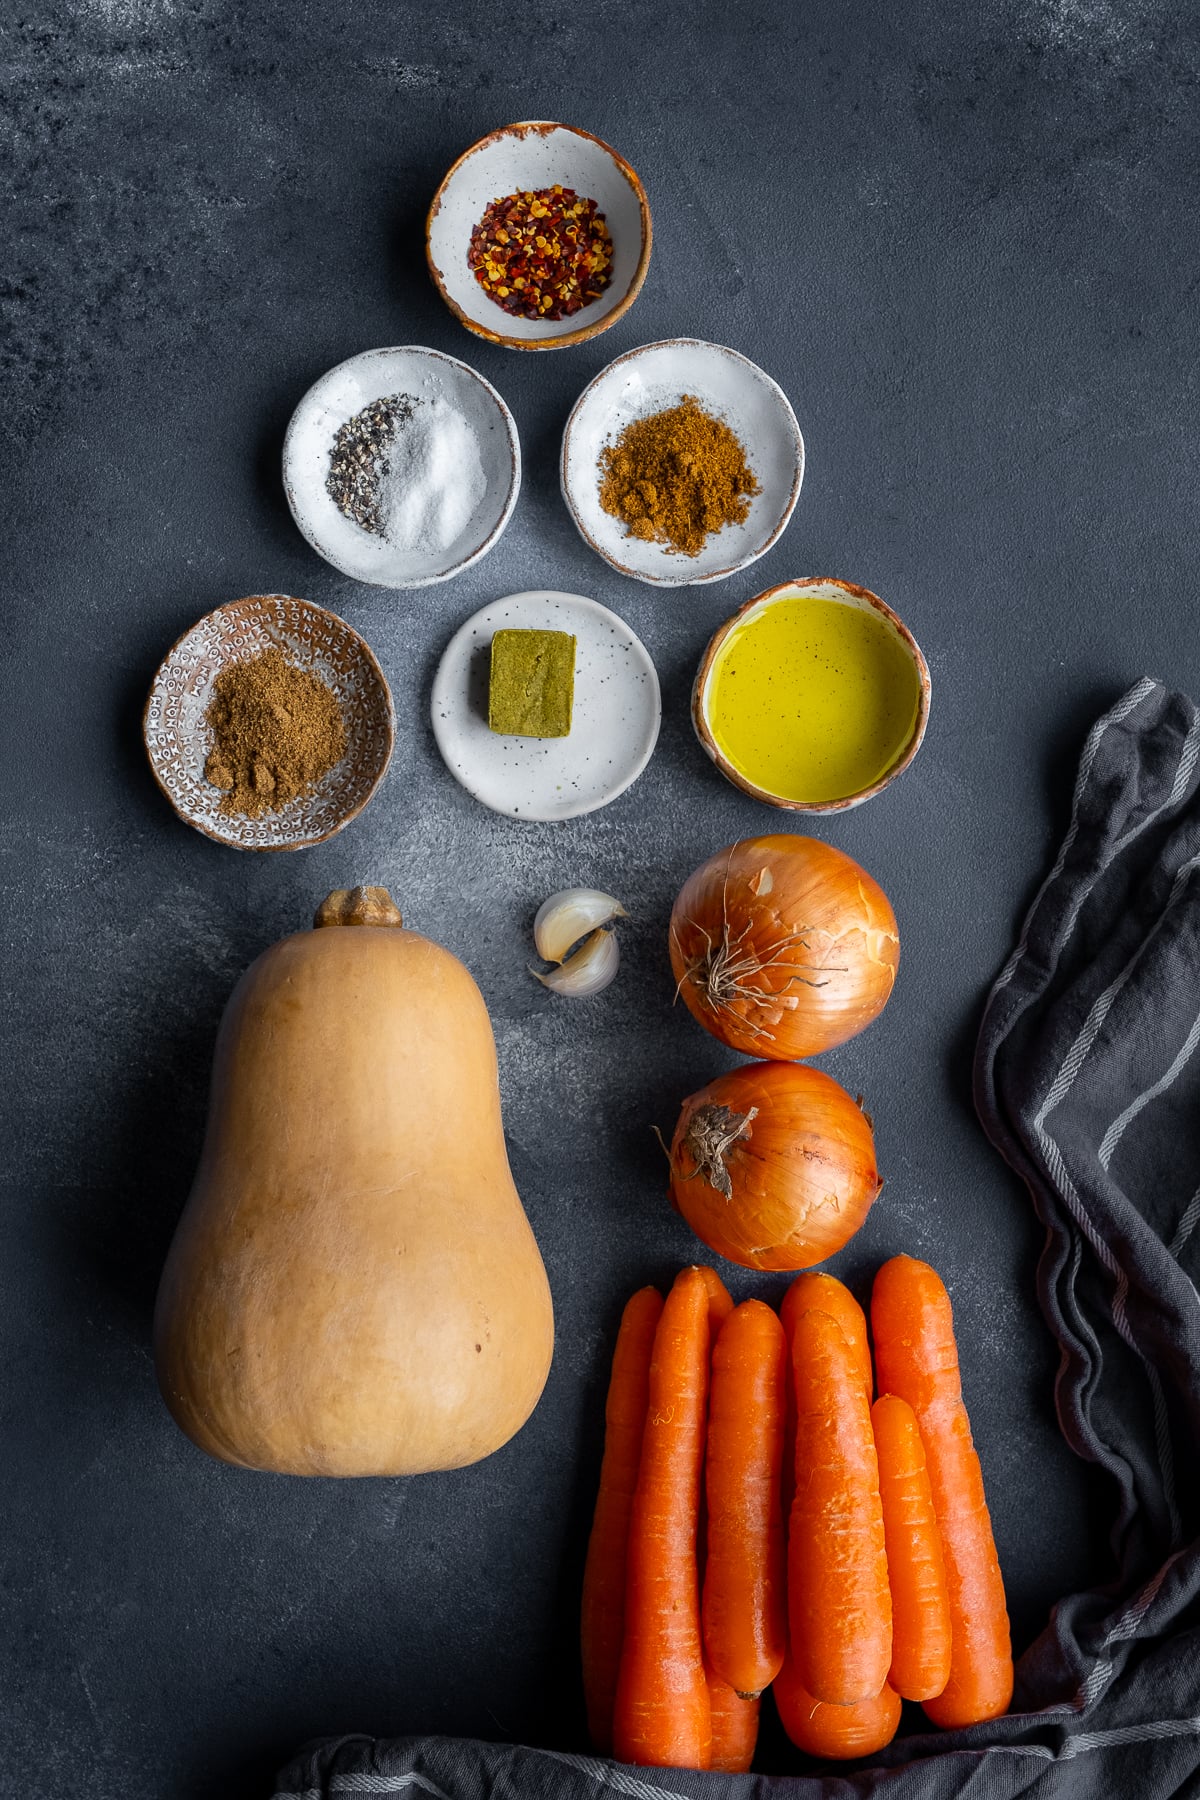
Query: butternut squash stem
{"points": [[358, 906]]}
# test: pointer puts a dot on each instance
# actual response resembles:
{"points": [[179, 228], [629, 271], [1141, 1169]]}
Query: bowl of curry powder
{"points": [[681, 463]]}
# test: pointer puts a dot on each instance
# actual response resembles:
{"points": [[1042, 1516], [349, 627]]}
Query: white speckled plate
{"points": [[614, 726], [726, 384], [344, 391]]}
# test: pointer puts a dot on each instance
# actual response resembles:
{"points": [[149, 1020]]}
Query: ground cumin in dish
{"points": [[276, 731], [676, 477]]}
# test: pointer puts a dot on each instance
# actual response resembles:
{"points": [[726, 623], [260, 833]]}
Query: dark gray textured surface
{"points": [[964, 242]]}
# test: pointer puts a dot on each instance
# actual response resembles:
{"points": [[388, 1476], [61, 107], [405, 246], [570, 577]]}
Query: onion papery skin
{"points": [[799, 1164], [783, 946]]}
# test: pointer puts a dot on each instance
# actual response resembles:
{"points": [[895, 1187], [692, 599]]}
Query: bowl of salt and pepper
{"points": [[402, 466], [270, 724]]}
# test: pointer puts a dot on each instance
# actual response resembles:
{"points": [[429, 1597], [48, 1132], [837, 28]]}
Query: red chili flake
{"points": [[544, 254]]}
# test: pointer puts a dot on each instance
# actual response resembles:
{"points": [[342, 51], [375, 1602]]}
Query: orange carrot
{"points": [[720, 1304], [602, 1620], [917, 1359], [662, 1715], [839, 1605], [744, 1608], [835, 1732], [734, 1726], [813, 1292], [916, 1567]]}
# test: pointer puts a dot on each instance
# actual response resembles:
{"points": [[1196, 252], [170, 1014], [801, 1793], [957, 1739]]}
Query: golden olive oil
{"points": [[812, 700]]}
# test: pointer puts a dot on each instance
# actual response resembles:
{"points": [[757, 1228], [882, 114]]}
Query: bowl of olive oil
{"points": [[814, 696]]}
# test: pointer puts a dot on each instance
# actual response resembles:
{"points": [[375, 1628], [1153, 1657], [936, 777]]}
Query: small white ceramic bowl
{"points": [[726, 384], [537, 154], [344, 391], [843, 593]]}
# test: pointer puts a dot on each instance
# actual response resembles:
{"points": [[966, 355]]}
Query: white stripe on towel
{"points": [[369, 1784], [1117, 1129]]}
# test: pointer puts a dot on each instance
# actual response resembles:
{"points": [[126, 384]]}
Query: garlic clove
{"points": [[568, 916], [589, 971]]}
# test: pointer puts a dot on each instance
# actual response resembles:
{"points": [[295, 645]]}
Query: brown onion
{"points": [[773, 1165], [783, 946]]}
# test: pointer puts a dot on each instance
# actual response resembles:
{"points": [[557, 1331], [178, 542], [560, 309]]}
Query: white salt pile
{"points": [[433, 482]]}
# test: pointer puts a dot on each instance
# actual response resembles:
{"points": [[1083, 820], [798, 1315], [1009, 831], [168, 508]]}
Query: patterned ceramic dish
{"points": [[537, 154], [614, 726], [729, 385], [343, 391], [178, 740]]}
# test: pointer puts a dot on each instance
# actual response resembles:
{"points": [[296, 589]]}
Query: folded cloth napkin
{"points": [[1087, 1080]]}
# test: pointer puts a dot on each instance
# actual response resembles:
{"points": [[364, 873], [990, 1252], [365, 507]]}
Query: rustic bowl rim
{"points": [[520, 129], [514, 479], [779, 591], [367, 655], [742, 562]]}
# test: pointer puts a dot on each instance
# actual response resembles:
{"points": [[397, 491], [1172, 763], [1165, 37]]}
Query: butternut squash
{"points": [[354, 1288]]}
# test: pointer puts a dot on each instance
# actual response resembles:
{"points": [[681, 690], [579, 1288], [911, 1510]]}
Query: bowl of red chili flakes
{"points": [[539, 237]]}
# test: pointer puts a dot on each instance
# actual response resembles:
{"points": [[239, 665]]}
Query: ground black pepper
{"points": [[359, 458]]}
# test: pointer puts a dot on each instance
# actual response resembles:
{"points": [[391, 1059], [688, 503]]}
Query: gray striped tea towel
{"points": [[1088, 1081]]}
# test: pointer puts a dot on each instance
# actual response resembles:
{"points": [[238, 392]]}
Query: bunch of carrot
{"points": [[721, 1423]]}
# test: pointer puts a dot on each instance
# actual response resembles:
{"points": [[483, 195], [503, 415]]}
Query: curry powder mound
{"points": [[676, 477], [276, 731]]}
